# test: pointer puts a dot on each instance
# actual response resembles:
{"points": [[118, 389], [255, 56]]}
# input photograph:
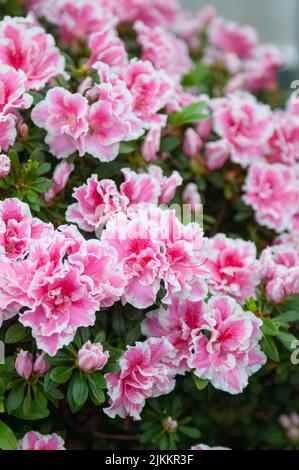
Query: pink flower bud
{"points": [[216, 154], [40, 365], [191, 196], [91, 357], [170, 424], [151, 144], [192, 143], [5, 165], [24, 364]]}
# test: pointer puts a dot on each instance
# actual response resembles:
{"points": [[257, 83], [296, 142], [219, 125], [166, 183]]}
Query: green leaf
{"points": [[269, 327], [98, 397], [200, 383], [96, 381], [43, 169], [190, 432], [169, 144], [15, 162], [198, 73], [133, 335], [2, 387], [30, 409], [80, 390], [118, 322], [39, 397], [100, 337], [16, 334], [41, 185], [269, 347], [192, 113], [8, 440], [61, 374], [286, 339], [289, 317], [289, 303], [61, 359], [38, 156], [16, 397], [251, 305], [127, 147]]}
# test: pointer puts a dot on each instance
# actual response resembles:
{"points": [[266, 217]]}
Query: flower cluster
{"points": [[218, 340], [99, 200], [106, 293], [48, 276]]}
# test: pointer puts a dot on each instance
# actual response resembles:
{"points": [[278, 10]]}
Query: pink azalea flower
{"points": [[150, 89], [216, 154], [8, 131], [108, 48], [232, 354], [60, 179], [192, 143], [261, 70], [18, 229], [99, 269], [269, 190], [232, 38], [144, 373], [168, 185], [141, 257], [151, 144], [15, 281], [177, 324], [25, 46], [24, 364], [245, 124], [284, 142], [91, 357], [185, 272], [35, 441], [63, 304], [78, 19], [150, 12], [5, 165], [140, 187], [12, 90], [234, 268], [65, 118], [164, 50], [111, 119], [189, 26], [280, 270], [97, 200], [206, 447], [192, 197], [153, 245]]}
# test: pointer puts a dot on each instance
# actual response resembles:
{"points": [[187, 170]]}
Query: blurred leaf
{"points": [[8, 440], [270, 349], [16, 334], [61, 374], [192, 113]]}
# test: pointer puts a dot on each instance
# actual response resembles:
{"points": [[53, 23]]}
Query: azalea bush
{"points": [[149, 230]]}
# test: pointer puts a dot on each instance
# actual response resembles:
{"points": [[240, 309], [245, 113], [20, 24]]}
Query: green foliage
{"points": [[192, 113], [8, 440], [163, 427], [26, 181]]}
